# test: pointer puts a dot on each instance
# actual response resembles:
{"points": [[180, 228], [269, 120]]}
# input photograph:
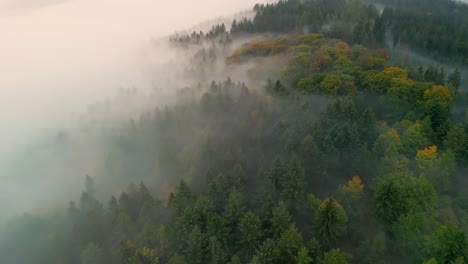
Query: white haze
{"points": [[57, 56]]}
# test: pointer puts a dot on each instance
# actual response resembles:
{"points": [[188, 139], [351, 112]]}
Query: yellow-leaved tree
{"points": [[438, 94], [426, 157]]}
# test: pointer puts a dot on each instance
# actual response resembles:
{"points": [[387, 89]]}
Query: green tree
{"points": [[297, 68], [315, 250], [413, 139], [182, 197], [178, 259], [92, 254], [447, 244], [278, 173], [255, 260], [125, 228], [331, 84], [196, 246], [217, 190], [184, 225], [127, 251], [334, 256], [235, 206], [235, 260], [431, 261], [293, 185], [373, 249], [216, 226], [453, 79], [217, 251], [399, 194], [303, 256], [289, 243], [268, 252], [148, 236], [331, 222], [309, 84], [250, 231], [312, 208], [351, 196], [145, 256], [377, 81], [441, 173], [457, 141], [280, 219]]}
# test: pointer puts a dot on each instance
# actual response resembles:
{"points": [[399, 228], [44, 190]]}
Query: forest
{"points": [[314, 146], [436, 28]]}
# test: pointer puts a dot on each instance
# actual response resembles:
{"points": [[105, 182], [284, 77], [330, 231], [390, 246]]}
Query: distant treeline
{"points": [[435, 27]]}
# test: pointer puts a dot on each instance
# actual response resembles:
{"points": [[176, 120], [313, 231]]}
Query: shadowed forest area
{"points": [[300, 140]]}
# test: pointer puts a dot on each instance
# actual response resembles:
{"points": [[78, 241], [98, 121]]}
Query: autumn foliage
{"points": [[354, 188], [425, 157], [438, 94]]}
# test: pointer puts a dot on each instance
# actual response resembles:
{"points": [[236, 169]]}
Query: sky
{"points": [[58, 55]]}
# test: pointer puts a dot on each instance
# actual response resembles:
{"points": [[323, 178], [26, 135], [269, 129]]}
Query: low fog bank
{"points": [[58, 57]]}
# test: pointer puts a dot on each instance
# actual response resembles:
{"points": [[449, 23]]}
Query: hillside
{"points": [[299, 139]]}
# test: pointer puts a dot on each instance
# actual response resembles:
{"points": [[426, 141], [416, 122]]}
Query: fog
{"points": [[58, 56]]}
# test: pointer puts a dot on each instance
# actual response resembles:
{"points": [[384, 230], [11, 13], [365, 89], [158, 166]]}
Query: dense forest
{"points": [[436, 27], [314, 147], [433, 27]]}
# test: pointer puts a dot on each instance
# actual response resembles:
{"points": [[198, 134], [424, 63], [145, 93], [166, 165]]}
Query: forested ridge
{"points": [[327, 152], [435, 28]]}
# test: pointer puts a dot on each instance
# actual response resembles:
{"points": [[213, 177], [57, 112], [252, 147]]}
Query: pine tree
{"points": [[331, 222]]}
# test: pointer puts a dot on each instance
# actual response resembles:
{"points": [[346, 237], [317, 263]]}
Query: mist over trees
{"points": [[300, 140]]}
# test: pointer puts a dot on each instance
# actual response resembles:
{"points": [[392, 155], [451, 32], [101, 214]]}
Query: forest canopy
{"points": [[329, 151]]}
